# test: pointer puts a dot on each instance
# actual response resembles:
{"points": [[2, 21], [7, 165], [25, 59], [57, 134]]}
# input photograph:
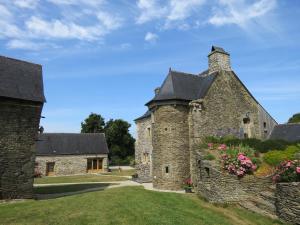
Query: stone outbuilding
{"points": [[69, 153], [188, 107], [21, 103]]}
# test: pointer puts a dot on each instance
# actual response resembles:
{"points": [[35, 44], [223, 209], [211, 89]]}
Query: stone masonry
{"points": [[68, 164], [143, 153], [19, 122]]}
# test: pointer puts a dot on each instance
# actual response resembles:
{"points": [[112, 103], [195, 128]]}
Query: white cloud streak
{"points": [[151, 37], [239, 12]]}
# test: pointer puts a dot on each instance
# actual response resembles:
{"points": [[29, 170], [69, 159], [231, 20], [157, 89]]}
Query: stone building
{"points": [[187, 108], [66, 153], [21, 103]]}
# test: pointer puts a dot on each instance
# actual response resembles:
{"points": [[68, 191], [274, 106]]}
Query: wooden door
{"points": [[94, 165], [50, 168]]}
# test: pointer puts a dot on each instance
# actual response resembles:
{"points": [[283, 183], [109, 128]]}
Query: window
{"points": [[94, 165], [50, 168], [145, 158], [265, 125], [167, 169], [246, 120], [149, 131], [166, 129], [207, 171], [245, 135]]}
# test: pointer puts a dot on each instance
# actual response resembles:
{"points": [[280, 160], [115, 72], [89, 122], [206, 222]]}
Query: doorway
{"points": [[50, 168], [94, 165]]}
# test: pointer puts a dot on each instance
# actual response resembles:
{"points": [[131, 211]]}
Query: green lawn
{"points": [[67, 188], [115, 172], [127, 206], [78, 179]]}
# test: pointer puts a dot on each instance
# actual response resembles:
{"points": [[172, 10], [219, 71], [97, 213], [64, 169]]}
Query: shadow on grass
{"points": [[56, 191]]}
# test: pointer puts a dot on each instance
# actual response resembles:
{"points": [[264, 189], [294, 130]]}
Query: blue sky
{"points": [[108, 56]]}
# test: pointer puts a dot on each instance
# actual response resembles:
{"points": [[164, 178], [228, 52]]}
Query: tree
{"points": [[119, 141], [295, 118], [93, 124]]}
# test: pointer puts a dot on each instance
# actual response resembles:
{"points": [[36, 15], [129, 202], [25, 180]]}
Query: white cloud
{"points": [[29, 4], [28, 45], [110, 22], [150, 10], [180, 10], [151, 37], [63, 30], [173, 11], [77, 2], [239, 12]]}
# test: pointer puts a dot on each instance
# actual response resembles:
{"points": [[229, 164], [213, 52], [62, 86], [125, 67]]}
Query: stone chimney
{"points": [[156, 90], [218, 60]]}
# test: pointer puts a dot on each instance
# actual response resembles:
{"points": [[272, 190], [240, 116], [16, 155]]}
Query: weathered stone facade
{"points": [[288, 202], [19, 122], [143, 146], [170, 147], [21, 103], [187, 108], [68, 164]]}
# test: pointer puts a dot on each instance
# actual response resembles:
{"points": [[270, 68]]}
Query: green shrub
{"points": [[275, 157], [209, 157]]}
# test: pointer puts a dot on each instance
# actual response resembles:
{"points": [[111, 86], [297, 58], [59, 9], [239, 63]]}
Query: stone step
{"points": [[253, 207]]}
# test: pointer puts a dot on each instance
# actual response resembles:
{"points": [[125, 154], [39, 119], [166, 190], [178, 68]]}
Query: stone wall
{"points": [[288, 202], [68, 164], [218, 61], [143, 146], [19, 123], [170, 147]]}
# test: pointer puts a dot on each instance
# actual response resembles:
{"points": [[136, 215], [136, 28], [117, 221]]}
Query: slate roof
{"points": [[71, 144], [288, 132], [218, 49], [146, 115], [21, 80], [184, 86]]}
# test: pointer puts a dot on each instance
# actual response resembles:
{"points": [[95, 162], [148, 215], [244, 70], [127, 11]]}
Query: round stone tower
{"points": [[171, 164]]}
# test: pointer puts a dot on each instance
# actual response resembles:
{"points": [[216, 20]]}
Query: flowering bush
{"points": [[237, 160], [287, 171], [188, 184]]}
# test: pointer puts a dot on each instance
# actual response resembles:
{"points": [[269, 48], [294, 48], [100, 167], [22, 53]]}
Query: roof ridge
{"points": [[20, 60], [176, 71]]}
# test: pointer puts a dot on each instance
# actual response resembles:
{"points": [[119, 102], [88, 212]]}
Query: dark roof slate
{"points": [[184, 86], [218, 49], [21, 80], [71, 144], [288, 132], [146, 115]]}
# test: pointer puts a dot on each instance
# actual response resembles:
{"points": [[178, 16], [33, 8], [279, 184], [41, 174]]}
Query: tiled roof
{"points": [[288, 132]]}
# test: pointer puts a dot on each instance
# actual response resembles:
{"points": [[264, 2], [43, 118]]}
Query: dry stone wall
{"points": [[68, 164], [143, 146], [170, 147], [288, 202], [19, 123]]}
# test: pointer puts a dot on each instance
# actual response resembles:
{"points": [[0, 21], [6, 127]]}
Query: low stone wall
{"points": [[288, 202], [68, 164], [218, 186]]}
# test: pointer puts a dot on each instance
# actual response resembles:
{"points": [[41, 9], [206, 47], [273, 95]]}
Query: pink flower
{"points": [[222, 147], [288, 164], [298, 169], [210, 145], [241, 156], [254, 167]]}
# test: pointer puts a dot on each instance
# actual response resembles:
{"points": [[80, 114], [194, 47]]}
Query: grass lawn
{"points": [[78, 179], [115, 172], [67, 188], [127, 206]]}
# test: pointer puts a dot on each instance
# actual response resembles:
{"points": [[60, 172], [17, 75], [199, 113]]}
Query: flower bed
{"points": [[240, 160], [287, 171]]}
